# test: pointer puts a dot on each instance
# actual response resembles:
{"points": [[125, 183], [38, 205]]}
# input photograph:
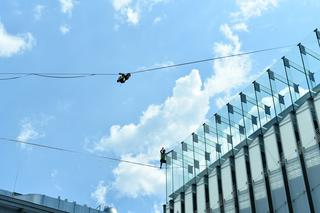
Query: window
{"points": [[241, 129], [195, 137], [267, 110], [254, 120]]}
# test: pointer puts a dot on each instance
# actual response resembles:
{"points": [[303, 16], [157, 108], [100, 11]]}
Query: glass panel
{"points": [[297, 78], [188, 160], [312, 65], [169, 182], [311, 57], [265, 98], [279, 85], [211, 139], [177, 164], [223, 130], [251, 109], [200, 149], [236, 120], [311, 41]]}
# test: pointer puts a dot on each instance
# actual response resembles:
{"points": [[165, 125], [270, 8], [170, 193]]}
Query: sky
{"points": [[130, 121]]}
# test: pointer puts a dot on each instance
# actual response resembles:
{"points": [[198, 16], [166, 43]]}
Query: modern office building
{"points": [[37, 203], [259, 153]]}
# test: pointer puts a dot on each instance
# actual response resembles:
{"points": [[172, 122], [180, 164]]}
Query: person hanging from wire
{"points": [[123, 77], [162, 157]]}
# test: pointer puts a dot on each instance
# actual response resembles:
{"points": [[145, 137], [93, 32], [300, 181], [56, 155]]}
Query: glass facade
{"points": [[259, 141]]}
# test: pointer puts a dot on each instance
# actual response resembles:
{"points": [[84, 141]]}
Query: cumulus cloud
{"points": [[99, 195], [232, 72], [176, 117], [28, 132], [31, 128], [170, 122], [14, 44], [67, 6], [38, 11], [64, 29], [120, 4], [240, 27], [222, 101], [252, 8], [131, 10], [132, 181], [162, 125], [132, 16]]}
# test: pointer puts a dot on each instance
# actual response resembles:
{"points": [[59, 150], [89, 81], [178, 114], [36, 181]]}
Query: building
{"points": [[37, 203], [261, 152]]}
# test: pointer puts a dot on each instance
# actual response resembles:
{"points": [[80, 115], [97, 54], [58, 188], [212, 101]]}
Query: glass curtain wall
{"points": [[276, 90]]}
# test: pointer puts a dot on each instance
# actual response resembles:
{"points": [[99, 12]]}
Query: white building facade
{"points": [[261, 152]]}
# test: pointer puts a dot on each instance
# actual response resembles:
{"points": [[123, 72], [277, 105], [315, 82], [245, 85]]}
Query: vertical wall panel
{"points": [[227, 189], [279, 198], [242, 182], [311, 150], [213, 192], [167, 209], [260, 193], [177, 204], [306, 127], [188, 200], [201, 199], [296, 182], [293, 161], [317, 105]]}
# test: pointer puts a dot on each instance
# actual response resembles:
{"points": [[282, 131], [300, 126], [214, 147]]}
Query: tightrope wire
{"points": [[76, 152], [66, 75]]}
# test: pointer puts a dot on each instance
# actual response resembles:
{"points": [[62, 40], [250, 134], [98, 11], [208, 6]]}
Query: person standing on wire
{"points": [[162, 157]]}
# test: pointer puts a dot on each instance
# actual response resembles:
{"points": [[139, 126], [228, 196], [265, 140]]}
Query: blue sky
{"points": [[130, 121]]}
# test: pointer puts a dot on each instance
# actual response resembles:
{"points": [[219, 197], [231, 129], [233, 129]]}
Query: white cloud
{"points": [[67, 6], [38, 11], [159, 125], [64, 29], [132, 181], [131, 10], [121, 4], [222, 101], [28, 132], [99, 195], [229, 73], [168, 123], [253, 8], [157, 19], [133, 16], [31, 128], [241, 27], [176, 117], [157, 208], [14, 44]]}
